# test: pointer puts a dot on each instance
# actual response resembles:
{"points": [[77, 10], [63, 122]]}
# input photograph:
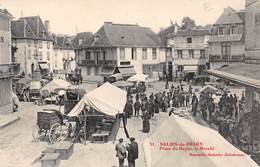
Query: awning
{"points": [[185, 143], [127, 71], [44, 66], [190, 69], [246, 74], [106, 71]]}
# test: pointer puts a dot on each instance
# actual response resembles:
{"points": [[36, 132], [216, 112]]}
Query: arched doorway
{"points": [[32, 68]]}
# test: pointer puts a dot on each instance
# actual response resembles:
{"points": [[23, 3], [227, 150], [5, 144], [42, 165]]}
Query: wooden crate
{"points": [[50, 160], [65, 149]]}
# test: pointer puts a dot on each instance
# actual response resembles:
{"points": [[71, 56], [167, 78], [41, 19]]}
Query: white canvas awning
{"points": [[179, 130], [107, 99], [190, 69], [138, 77], [56, 84], [78, 107]]}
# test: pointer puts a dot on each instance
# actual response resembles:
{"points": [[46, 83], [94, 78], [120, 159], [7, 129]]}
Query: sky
{"points": [[71, 16]]}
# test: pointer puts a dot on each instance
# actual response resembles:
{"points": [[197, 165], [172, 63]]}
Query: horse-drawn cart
{"points": [[51, 125]]}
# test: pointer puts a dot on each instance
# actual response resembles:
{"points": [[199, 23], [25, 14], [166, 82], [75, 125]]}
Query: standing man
{"points": [[132, 152], [121, 152], [194, 103], [137, 107]]}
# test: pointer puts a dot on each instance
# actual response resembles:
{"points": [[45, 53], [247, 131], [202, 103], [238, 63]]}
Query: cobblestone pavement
{"points": [[18, 150]]}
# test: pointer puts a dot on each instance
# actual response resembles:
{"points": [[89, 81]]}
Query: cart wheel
{"points": [[37, 134], [58, 133]]}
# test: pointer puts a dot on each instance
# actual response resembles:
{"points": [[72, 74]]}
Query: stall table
{"points": [[97, 136]]}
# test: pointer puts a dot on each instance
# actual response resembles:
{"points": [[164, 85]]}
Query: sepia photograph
{"points": [[129, 83]]}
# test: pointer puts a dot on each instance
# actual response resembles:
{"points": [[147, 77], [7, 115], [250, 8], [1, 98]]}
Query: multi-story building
{"points": [[252, 42], [34, 45], [63, 54], [7, 69], [190, 52], [227, 43], [123, 48]]}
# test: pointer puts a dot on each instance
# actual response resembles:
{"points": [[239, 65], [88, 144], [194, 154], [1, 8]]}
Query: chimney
{"points": [[47, 25]]}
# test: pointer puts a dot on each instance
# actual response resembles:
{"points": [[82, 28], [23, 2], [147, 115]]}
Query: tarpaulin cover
{"points": [[179, 130], [107, 99], [209, 89], [78, 107], [55, 84]]}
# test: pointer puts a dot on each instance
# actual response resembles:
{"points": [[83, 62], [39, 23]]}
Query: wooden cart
{"points": [[50, 124]]}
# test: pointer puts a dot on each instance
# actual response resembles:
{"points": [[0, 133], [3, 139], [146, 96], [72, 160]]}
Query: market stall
{"points": [[102, 118], [212, 149]]}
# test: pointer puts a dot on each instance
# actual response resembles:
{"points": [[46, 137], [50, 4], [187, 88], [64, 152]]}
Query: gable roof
{"points": [[5, 12], [230, 16], [190, 32], [124, 35], [29, 28]]}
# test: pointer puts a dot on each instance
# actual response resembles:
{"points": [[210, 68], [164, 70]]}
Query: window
{"points": [[35, 43], [144, 55], [88, 70], [179, 54], [29, 54], [257, 18], [87, 55], [2, 39], [104, 55], [40, 44], [56, 63], [48, 56], [232, 30], [202, 54], [96, 71], [40, 55], [220, 31], [189, 40], [191, 54], [154, 52], [122, 53], [48, 45], [134, 57], [29, 42], [225, 49], [35, 55]]}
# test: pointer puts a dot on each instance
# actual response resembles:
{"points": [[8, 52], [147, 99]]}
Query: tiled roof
{"points": [[6, 12], [248, 74], [124, 35], [191, 32], [226, 38], [63, 42], [230, 16], [29, 28], [84, 37]]}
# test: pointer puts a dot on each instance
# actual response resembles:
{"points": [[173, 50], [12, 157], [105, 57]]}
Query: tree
{"points": [[187, 23]]}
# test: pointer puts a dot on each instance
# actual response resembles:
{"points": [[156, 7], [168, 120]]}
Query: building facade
{"points": [[252, 44], [7, 68], [227, 43], [34, 45], [123, 48], [63, 54], [190, 52]]}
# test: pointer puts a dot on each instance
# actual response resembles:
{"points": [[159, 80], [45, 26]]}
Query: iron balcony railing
{"points": [[9, 70]]}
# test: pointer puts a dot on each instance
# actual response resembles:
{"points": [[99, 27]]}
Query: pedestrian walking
{"points": [[137, 107], [187, 99], [120, 152], [194, 103]]}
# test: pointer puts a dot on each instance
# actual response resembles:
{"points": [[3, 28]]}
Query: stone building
{"points": [[227, 43], [123, 48]]}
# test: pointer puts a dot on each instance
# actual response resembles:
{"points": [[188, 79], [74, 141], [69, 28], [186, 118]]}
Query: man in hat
{"points": [[132, 149], [121, 152]]}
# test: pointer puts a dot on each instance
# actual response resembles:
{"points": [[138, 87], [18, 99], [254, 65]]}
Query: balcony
{"points": [[226, 58], [107, 63], [9, 70]]}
